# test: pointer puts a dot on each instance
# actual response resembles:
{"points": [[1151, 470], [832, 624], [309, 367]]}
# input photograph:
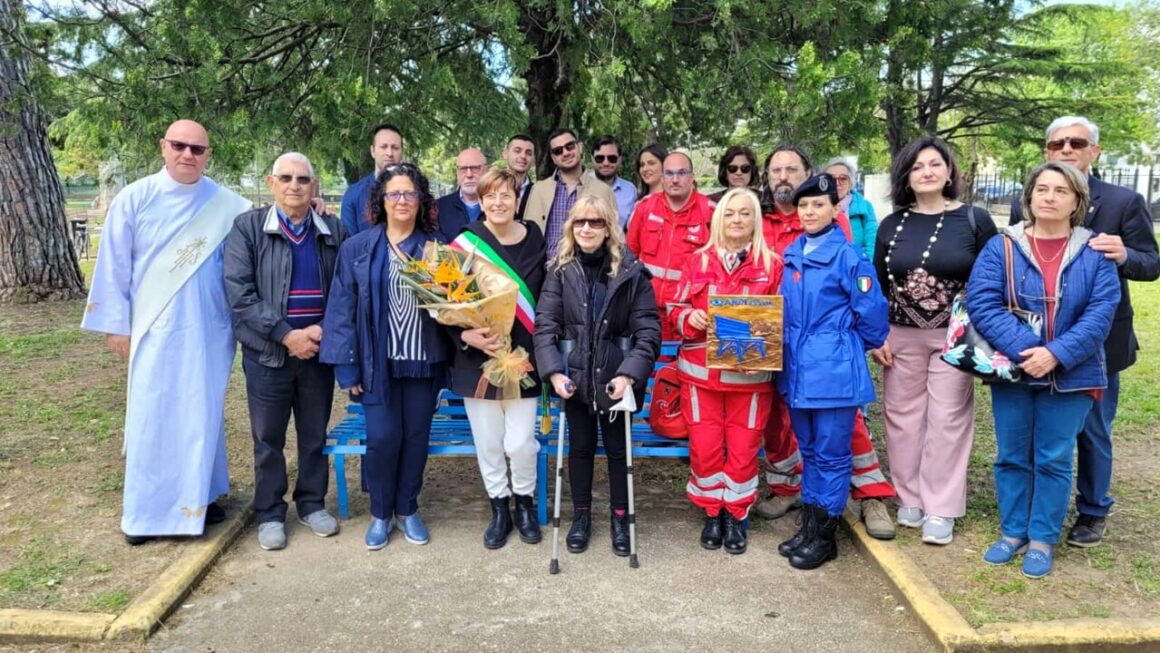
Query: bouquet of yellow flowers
{"points": [[461, 289]]}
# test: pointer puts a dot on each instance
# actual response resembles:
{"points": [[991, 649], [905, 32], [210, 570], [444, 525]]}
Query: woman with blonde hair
{"points": [[726, 410], [598, 295]]}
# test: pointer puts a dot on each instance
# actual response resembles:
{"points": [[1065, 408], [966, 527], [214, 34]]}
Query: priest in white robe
{"points": [[159, 296]]}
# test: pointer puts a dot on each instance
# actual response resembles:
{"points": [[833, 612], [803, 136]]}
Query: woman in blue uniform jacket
{"points": [[1076, 289], [386, 350], [834, 312]]}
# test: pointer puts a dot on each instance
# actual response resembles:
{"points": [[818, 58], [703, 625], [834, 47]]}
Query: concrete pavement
{"points": [[453, 595]]}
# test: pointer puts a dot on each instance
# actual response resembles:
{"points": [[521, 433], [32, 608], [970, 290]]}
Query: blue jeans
{"points": [[824, 436], [1036, 430], [1094, 479]]}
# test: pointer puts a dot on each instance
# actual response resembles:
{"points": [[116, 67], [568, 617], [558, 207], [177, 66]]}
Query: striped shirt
{"points": [[306, 301], [405, 333]]}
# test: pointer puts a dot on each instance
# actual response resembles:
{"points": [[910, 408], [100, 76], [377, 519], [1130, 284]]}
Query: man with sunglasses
{"points": [[386, 150], [551, 199], [157, 294], [279, 262], [1119, 217], [606, 165], [668, 226], [461, 206]]}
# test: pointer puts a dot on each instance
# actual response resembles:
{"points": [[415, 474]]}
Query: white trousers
{"points": [[500, 428]]}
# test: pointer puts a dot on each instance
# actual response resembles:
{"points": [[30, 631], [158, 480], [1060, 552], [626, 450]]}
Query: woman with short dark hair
{"points": [[736, 169], [387, 351], [1076, 291], [503, 426], [923, 255]]}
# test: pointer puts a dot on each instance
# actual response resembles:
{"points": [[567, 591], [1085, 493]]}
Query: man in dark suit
{"points": [[461, 205], [1119, 218]]}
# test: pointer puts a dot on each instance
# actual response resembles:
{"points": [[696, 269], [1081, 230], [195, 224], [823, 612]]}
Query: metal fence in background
{"points": [[996, 192]]}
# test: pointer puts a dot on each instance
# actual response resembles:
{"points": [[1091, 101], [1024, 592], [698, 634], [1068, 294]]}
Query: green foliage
{"points": [[862, 76]]}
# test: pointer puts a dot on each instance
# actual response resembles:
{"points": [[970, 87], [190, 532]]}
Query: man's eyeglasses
{"points": [[596, 224], [471, 169], [789, 170], [400, 195], [675, 174], [1076, 143], [601, 158], [570, 146], [179, 147], [301, 179], [743, 169]]}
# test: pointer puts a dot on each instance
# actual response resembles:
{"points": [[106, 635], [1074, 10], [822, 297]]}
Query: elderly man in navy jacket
{"points": [[279, 262], [1119, 218]]}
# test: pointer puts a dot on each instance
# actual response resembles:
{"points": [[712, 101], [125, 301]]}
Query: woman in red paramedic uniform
{"points": [[726, 410]]}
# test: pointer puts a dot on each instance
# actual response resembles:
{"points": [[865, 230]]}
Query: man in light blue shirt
{"points": [[605, 164], [386, 150]]}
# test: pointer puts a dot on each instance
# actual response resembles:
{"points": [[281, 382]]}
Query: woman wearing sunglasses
{"points": [[599, 296], [857, 209], [737, 169], [388, 352]]}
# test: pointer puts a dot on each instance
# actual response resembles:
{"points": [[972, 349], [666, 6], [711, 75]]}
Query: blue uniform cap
{"points": [[822, 184]]}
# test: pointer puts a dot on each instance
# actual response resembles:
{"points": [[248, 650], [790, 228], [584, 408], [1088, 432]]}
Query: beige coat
{"points": [[544, 191]]}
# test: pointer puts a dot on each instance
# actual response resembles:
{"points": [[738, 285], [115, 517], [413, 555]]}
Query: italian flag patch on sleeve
{"points": [[865, 283]]}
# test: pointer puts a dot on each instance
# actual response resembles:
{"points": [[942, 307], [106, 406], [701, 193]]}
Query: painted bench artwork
{"points": [[744, 332]]}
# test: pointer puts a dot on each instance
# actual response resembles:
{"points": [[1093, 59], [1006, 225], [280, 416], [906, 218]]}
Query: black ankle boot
{"points": [[805, 523], [525, 518], [580, 531], [735, 540], [822, 546], [711, 533], [501, 524], [620, 544]]}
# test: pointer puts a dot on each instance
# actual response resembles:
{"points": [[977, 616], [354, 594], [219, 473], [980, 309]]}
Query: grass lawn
{"points": [[1120, 578]]}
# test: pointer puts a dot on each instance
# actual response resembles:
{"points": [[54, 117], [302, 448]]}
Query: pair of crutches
{"points": [[627, 405]]}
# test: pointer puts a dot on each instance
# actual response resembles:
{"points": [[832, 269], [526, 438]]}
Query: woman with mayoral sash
{"points": [[503, 416]]}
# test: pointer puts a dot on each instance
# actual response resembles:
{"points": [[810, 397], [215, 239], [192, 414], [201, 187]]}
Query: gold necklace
{"points": [[1035, 246]]}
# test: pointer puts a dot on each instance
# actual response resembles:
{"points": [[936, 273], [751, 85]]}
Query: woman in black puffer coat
{"points": [[600, 297]]}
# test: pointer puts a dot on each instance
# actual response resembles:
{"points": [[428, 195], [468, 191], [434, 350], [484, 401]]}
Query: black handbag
{"points": [[967, 351]]}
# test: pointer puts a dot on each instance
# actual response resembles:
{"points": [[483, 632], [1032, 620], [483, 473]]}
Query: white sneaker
{"points": [[938, 530], [910, 517]]}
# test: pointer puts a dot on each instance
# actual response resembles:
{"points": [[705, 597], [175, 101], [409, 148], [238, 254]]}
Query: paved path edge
{"points": [[141, 617], [948, 630]]}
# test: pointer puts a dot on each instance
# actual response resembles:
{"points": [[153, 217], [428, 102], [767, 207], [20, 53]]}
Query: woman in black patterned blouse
{"points": [[923, 254]]}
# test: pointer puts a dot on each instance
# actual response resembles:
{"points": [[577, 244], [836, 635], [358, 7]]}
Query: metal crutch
{"points": [[565, 347], [626, 407]]}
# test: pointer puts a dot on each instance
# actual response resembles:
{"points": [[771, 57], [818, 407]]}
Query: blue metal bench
{"points": [[451, 436]]}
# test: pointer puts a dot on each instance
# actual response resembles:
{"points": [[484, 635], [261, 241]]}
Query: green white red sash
{"points": [[525, 303]]}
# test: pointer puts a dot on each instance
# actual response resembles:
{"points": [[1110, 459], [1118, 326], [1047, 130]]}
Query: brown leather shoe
{"points": [[776, 505], [877, 519]]}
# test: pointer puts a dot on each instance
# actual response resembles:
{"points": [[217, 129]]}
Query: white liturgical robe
{"points": [[175, 448]]}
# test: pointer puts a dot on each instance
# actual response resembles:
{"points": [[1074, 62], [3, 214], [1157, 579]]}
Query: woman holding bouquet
{"points": [[503, 419], [600, 296], [726, 410], [388, 352]]}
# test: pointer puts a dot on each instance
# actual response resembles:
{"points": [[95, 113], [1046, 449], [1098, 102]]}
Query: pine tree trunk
{"points": [[37, 259]]}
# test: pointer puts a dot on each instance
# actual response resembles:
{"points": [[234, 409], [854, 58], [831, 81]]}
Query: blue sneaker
{"points": [[377, 533], [1036, 563], [1003, 551], [413, 529]]}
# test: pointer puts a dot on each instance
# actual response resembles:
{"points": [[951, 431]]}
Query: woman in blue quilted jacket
{"points": [[1076, 290]]}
